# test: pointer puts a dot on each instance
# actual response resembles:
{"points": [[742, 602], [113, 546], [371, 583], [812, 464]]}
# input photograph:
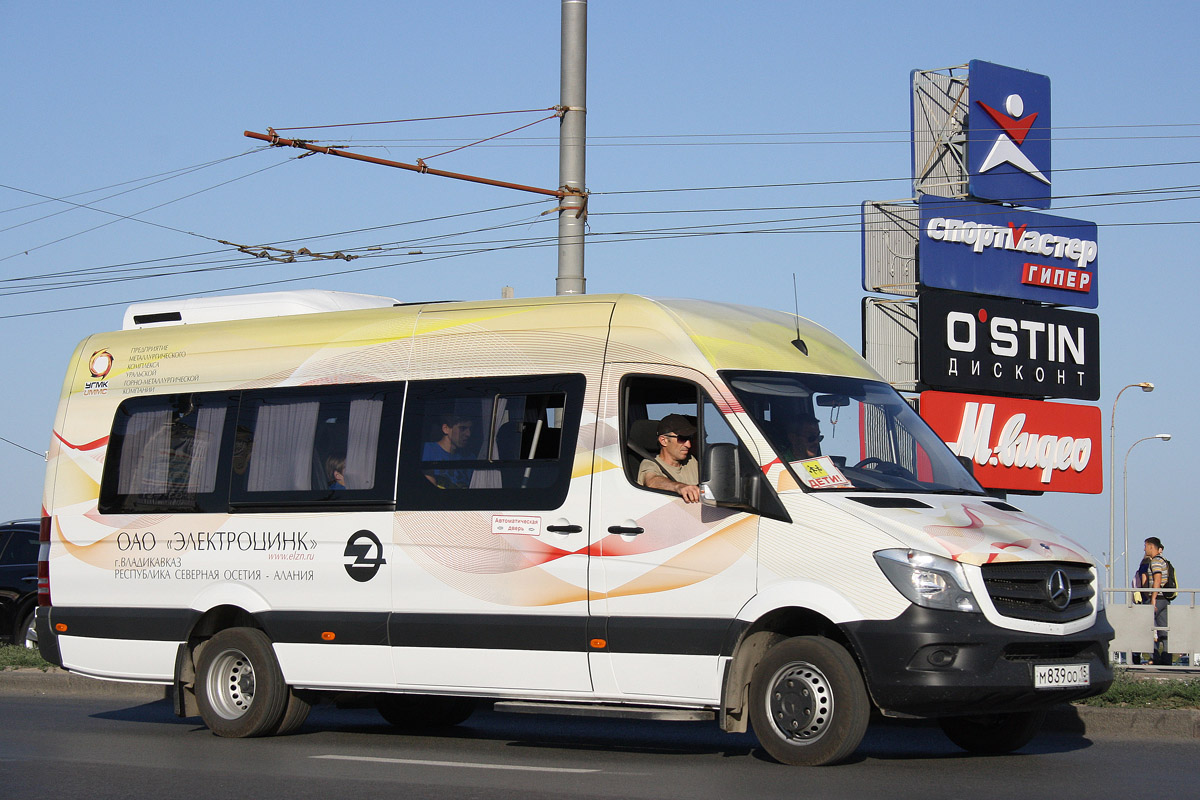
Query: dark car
{"points": [[18, 580]]}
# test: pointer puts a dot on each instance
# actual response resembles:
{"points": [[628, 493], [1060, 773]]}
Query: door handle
{"points": [[565, 528], [626, 531]]}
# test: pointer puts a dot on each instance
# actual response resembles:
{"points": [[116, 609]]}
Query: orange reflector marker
{"points": [[328, 636], [61, 627], [599, 644]]}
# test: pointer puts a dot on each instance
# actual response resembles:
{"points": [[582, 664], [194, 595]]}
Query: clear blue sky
{"points": [[118, 105]]}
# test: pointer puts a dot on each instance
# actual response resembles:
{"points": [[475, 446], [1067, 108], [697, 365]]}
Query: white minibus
{"points": [[269, 501]]}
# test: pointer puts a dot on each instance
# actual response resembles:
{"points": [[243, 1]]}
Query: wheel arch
{"points": [[753, 643], [207, 625]]}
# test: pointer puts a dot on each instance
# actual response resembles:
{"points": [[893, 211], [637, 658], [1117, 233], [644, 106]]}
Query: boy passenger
{"points": [[673, 469], [455, 436]]}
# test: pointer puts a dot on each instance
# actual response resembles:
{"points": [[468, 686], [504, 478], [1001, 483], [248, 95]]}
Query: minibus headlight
{"points": [[927, 580]]}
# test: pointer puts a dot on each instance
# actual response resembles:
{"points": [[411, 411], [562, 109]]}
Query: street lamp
{"points": [[1166, 437], [1112, 481]]}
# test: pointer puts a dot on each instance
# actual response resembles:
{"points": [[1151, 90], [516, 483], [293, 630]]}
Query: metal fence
{"points": [[1135, 630]]}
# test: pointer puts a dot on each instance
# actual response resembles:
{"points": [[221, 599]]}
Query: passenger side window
{"points": [[263, 450], [321, 446], [164, 454], [504, 443]]}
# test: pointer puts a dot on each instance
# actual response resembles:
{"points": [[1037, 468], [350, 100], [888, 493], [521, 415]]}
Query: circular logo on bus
{"points": [[100, 364], [367, 551]]}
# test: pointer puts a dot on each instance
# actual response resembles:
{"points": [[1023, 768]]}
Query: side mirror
{"points": [[724, 477], [732, 480], [725, 485]]}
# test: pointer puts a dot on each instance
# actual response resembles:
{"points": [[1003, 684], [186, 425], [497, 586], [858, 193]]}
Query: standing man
{"points": [[1157, 574], [673, 469]]}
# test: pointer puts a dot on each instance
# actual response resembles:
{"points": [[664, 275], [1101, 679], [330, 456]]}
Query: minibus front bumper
{"points": [[930, 662]]}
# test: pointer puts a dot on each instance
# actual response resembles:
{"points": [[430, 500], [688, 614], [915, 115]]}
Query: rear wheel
{"points": [[993, 734], [808, 704], [25, 634], [419, 711], [239, 686]]}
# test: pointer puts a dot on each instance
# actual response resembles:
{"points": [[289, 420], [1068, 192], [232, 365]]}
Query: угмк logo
{"points": [[100, 364], [1014, 128], [364, 547]]}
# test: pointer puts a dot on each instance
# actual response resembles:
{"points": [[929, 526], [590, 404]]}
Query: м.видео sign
{"points": [[1021, 445]]}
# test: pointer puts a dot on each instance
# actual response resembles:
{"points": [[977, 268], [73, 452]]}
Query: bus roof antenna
{"points": [[798, 342]]}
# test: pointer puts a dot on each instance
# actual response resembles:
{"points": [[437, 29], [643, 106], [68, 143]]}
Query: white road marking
{"points": [[463, 764]]}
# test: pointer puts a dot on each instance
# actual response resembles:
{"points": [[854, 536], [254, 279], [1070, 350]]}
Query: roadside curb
{"points": [[1126, 723], [57, 682]]}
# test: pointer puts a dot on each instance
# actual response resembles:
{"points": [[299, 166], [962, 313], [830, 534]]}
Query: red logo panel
{"points": [[1021, 445]]}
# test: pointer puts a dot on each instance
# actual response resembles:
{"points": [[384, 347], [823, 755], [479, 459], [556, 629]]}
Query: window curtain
{"points": [[145, 453], [362, 443], [281, 456], [206, 448]]}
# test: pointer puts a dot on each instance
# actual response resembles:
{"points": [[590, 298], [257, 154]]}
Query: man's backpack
{"points": [[1171, 583]]}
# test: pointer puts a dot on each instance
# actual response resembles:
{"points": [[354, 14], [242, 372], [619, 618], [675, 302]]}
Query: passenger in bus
{"points": [[452, 446], [335, 468], [804, 439], [673, 469]]}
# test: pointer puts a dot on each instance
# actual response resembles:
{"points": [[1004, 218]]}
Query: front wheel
{"points": [[808, 704], [993, 734], [239, 686]]}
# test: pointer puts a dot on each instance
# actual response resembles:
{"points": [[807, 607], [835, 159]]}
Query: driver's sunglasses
{"points": [[683, 438], [814, 439]]}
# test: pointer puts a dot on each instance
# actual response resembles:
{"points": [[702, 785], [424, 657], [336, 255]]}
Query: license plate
{"points": [[1059, 676]]}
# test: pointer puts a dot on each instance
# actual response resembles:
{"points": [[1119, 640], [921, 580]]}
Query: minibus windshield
{"points": [[839, 433]]}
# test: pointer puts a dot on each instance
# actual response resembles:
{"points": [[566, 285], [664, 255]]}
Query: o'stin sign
{"points": [[1021, 445], [984, 344]]}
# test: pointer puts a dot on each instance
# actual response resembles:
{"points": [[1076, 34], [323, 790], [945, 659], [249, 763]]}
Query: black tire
{"points": [[808, 704], [422, 712], [993, 734], [298, 706], [25, 634], [239, 686]]}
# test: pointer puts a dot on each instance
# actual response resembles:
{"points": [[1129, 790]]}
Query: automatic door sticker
{"points": [[367, 551]]}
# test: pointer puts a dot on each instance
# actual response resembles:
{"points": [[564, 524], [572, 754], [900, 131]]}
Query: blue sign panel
{"points": [[1008, 135], [984, 248]]}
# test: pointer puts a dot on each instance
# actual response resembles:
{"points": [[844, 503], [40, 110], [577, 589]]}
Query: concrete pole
{"points": [[572, 136]]}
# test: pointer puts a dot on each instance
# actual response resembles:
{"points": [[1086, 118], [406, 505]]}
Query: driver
{"points": [[674, 469], [804, 439]]}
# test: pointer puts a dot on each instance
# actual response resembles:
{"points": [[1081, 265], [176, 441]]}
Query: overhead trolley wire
{"points": [[131, 217]]}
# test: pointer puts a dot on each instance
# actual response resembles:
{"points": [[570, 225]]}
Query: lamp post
{"points": [[1112, 471], [1166, 437]]}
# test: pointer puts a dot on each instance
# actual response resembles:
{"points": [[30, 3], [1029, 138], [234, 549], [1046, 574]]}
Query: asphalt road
{"points": [[120, 747]]}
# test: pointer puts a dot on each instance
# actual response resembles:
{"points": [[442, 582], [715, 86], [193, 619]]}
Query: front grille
{"points": [[1022, 590], [1047, 651]]}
